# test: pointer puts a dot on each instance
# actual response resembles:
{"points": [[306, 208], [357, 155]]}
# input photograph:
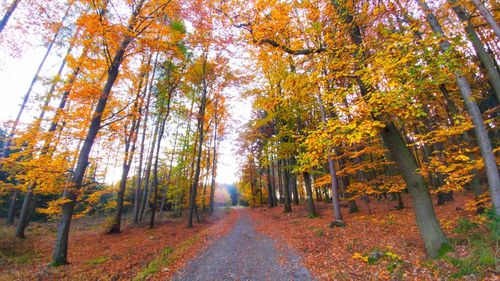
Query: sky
{"points": [[16, 74]]}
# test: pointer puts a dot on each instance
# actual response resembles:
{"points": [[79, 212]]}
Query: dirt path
{"points": [[244, 254]]}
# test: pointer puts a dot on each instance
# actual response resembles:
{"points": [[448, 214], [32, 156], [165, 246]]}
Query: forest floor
{"points": [[135, 254], [384, 244], [378, 243]]}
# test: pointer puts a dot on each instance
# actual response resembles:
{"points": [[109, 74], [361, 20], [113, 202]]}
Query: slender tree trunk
{"points": [[427, 222], [24, 217], [138, 190], [295, 191], [309, 194], [205, 179], [273, 181], [485, 13], [169, 176], [147, 184], [130, 144], [10, 10], [155, 173], [474, 112], [12, 207], [9, 138], [214, 158], [333, 173], [59, 256], [280, 181], [270, 198], [286, 187], [201, 118], [484, 57]]}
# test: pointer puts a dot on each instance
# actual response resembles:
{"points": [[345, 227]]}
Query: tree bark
{"points": [[12, 207], [485, 13], [270, 199], [9, 138], [10, 10], [484, 57], [147, 183], [474, 112], [331, 168], [59, 256], [309, 194], [214, 158], [201, 119], [155, 172], [169, 176], [130, 144], [286, 187], [295, 191], [138, 189], [427, 222]]}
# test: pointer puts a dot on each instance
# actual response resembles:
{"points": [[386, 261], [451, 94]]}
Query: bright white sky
{"points": [[16, 75]]}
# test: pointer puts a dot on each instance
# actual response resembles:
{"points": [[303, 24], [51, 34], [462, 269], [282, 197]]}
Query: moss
{"points": [[167, 256], [445, 249], [98, 260], [480, 245]]}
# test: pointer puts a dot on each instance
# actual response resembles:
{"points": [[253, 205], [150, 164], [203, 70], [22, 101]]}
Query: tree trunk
{"points": [[484, 57], [147, 184], [138, 189], [10, 10], [130, 142], [427, 222], [59, 255], [286, 187], [169, 176], [295, 191], [155, 172], [201, 118], [9, 138], [474, 112], [12, 207], [214, 158], [280, 181], [485, 13], [205, 179], [309, 195], [270, 199], [24, 214], [331, 168]]}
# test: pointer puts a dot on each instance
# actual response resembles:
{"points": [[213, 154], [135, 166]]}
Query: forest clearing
{"points": [[249, 140]]}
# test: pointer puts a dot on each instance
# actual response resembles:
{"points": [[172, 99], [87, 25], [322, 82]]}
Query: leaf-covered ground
{"points": [[381, 245], [137, 253]]}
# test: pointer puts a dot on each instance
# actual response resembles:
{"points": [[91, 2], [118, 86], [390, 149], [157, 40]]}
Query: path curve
{"points": [[244, 254]]}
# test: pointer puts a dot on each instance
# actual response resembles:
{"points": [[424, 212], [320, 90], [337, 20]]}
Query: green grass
{"points": [[98, 260], [481, 244], [15, 251], [168, 256]]}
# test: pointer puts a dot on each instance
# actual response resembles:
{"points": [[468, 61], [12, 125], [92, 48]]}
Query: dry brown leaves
{"points": [[330, 254], [94, 255]]}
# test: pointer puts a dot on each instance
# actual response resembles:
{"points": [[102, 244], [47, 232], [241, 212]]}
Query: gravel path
{"points": [[244, 254]]}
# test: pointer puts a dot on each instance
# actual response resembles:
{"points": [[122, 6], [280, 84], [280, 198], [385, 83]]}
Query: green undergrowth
{"points": [[478, 241], [98, 260], [167, 257], [15, 251]]}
